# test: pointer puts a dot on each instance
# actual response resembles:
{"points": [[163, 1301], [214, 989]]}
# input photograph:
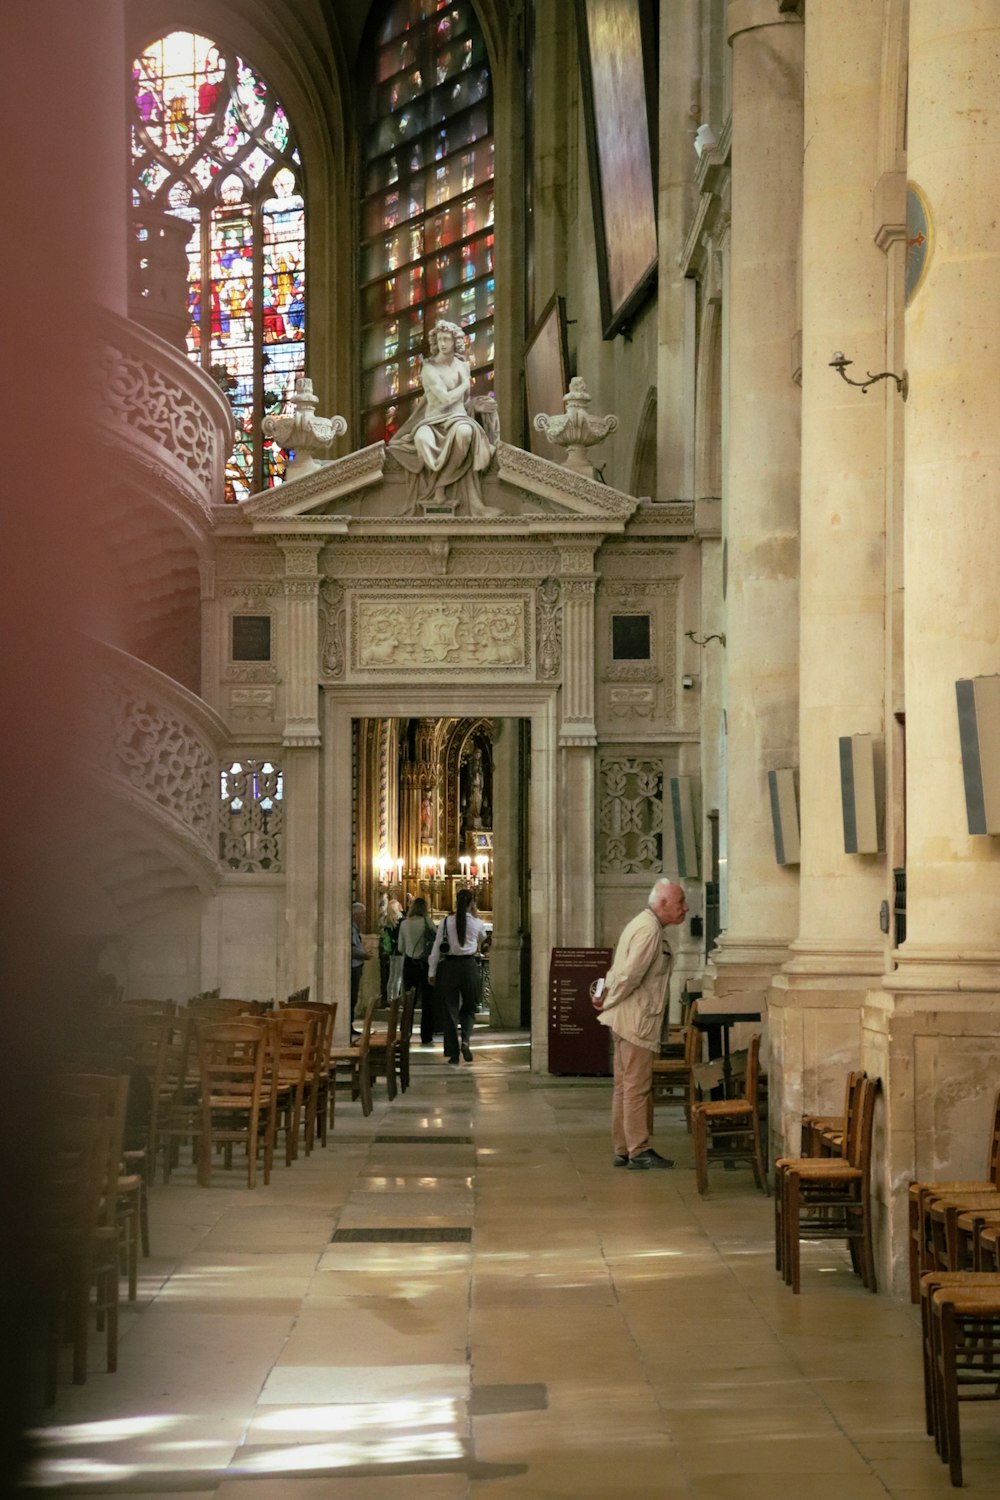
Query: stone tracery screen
{"points": [[427, 203], [630, 833], [252, 819], [212, 145]]}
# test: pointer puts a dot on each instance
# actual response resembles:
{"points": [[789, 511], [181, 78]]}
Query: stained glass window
{"points": [[211, 144], [427, 204]]}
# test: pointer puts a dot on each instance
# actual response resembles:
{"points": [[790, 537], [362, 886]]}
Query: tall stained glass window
{"points": [[211, 144], [427, 204]]}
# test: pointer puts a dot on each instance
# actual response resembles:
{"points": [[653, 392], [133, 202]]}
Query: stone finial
{"points": [[576, 430], [299, 429]]}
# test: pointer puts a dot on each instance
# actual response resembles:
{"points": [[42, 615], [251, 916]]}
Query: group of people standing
{"points": [[441, 964]]}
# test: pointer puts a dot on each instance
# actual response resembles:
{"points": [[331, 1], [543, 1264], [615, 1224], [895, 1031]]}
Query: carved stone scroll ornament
{"points": [[549, 624], [630, 839], [575, 429], [332, 614]]}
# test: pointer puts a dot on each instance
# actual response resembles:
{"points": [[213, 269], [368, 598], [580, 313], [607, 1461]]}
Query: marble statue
{"points": [[442, 444]]}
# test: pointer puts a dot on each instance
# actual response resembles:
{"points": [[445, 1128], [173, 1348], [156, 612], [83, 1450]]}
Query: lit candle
{"points": [[484, 866], [464, 862], [440, 869]]}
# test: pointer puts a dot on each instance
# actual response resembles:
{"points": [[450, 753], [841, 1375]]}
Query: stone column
{"points": [[299, 655], [577, 739], [815, 1004], [934, 1033], [760, 492], [505, 954]]}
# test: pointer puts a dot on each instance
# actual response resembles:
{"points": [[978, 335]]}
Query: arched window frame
{"points": [[266, 460], [383, 410]]}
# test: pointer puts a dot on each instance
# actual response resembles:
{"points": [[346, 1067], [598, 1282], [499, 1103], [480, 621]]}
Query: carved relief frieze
{"points": [[632, 702], [542, 476], [630, 818], [436, 559], [632, 671], [251, 705], [300, 588], [632, 562], [332, 616], [459, 632], [256, 672], [548, 623], [330, 481], [248, 560], [252, 591]]}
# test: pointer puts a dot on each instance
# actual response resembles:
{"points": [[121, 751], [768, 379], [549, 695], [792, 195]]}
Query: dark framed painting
{"points": [[613, 75], [546, 372]]}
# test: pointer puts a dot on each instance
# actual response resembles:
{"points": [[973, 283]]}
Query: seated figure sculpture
{"points": [[442, 445]]}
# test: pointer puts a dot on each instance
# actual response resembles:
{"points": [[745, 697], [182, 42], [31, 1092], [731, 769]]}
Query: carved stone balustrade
{"points": [[155, 750], [162, 418]]}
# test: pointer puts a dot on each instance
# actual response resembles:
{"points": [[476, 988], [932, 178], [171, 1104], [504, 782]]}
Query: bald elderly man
{"points": [[631, 1007]]}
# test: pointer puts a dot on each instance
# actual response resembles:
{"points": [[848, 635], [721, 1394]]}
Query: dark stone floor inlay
{"points": [[424, 1140], [420, 1236], [494, 1400]]}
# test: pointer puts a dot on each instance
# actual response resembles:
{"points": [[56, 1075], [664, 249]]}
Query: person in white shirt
{"points": [[454, 972]]}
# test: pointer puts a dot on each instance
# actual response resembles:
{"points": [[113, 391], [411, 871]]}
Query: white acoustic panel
{"points": [[979, 737], [682, 807], [862, 792], [784, 814]]}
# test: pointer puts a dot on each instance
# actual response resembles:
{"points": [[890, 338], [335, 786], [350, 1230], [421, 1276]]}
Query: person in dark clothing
{"points": [[414, 941]]}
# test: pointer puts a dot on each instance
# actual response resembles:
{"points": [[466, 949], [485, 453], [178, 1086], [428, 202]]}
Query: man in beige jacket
{"points": [[631, 1007]]}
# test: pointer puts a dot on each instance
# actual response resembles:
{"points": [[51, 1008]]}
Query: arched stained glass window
{"points": [[427, 202], [211, 144]]}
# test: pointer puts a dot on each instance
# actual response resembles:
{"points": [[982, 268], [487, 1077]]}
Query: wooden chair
{"points": [[946, 1247], [829, 1197], [921, 1192], [176, 1113], [405, 1029], [116, 1234], [732, 1126], [231, 1070], [965, 1343], [383, 1056], [988, 1247], [74, 1150], [673, 1077], [826, 1135], [354, 1058], [298, 1062]]}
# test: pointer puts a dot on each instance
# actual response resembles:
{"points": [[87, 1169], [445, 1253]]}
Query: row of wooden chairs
{"points": [[92, 1216], [821, 1197]]}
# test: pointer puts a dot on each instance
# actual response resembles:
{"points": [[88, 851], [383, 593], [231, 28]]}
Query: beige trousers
{"points": [[629, 1105]]}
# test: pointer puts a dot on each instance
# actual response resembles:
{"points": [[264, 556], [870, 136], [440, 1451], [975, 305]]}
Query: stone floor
{"points": [[461, 1299]]}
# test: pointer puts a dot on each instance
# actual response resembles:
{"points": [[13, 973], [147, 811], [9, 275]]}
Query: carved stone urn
{"points": [[299, 429], [576, 430]]}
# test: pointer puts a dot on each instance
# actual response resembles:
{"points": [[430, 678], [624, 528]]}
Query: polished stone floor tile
{"points": [[603, 1336]]}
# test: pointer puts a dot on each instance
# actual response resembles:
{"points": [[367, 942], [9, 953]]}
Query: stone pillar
{"points": [[505, 954], [299, 656], [300, 653], [815, 1004], [577, 739], [933, 1034], [760, 492]]}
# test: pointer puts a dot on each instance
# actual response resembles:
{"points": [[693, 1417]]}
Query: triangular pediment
{"points": [[367, 491]]}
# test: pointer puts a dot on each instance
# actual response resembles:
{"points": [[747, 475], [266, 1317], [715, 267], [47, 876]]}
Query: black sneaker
{"points": [[619, 1161], [647, 1159], [453, 1062], [466, 1051]]}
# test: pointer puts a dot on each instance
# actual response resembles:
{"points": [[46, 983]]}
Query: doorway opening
{"points": [[441, 804]]}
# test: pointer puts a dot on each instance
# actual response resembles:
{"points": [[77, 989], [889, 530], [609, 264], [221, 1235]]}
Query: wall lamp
{"points": [[690, 635], [839, 362]]}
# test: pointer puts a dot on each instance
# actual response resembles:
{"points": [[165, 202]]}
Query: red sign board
{"points": [[578, 1043]]}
